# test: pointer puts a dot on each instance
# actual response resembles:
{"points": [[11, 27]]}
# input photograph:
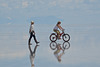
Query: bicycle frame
{"points": [[62, 33]]}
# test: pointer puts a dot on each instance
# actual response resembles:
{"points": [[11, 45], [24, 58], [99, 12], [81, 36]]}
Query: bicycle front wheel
{"points": [[66, 37], [66, 45]]}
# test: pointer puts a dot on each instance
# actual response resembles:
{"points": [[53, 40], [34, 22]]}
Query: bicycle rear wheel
{"points": [[53, 37], [66, 37], [53, 45]]}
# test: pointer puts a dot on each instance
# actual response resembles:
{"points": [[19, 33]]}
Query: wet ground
{"points": [[82, 49]]}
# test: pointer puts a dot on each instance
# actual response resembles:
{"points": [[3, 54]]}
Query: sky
{"points": [[80, 19]]}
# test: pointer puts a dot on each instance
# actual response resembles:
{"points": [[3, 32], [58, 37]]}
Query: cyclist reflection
{"points": [[60, 49], [57, 52]]}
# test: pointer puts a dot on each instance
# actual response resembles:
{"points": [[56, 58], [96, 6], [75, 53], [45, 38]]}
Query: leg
{"points": [[35, 38], [35, 49], [56, 31], [33, 34], [58, 34], [30, 50], [30, 38]]}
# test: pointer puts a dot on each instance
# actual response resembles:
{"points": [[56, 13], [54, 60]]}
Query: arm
{"points": [[30, 30], [60, 27]]}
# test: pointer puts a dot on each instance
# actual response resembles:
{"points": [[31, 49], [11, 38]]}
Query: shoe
{"points": [[37, 42], [30, 44], [37, 45]]}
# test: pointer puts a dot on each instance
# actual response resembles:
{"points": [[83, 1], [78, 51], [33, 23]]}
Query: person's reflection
{"points": [[60, 49], [32, 55], [57, 52]]}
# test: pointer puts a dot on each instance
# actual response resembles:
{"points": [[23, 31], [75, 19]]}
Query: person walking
{"points": [[32, 55], [32, 33]]}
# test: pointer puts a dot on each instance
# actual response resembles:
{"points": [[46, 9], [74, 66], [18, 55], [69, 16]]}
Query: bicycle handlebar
{"points": [[63, 30]]}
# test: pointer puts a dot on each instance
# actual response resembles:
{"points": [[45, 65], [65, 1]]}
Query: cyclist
{"points": [[56, 29]]}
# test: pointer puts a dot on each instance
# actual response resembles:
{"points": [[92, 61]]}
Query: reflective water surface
{"points": [[59, 49], [81, 51]]}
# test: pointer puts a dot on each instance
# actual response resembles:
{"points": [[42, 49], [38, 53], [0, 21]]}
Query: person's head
{"points": [[59, 59], [32, 22], [59, 22], [32, 65]]}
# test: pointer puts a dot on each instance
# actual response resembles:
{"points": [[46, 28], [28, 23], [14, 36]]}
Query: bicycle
{"points": [[53, 37], [65, 45]]}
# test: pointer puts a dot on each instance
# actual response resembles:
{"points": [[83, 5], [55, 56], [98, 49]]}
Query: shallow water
{"points": [[83, 51]]}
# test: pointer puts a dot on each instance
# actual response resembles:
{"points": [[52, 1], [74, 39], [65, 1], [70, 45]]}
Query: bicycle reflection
{"points": [[59, 49]]}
